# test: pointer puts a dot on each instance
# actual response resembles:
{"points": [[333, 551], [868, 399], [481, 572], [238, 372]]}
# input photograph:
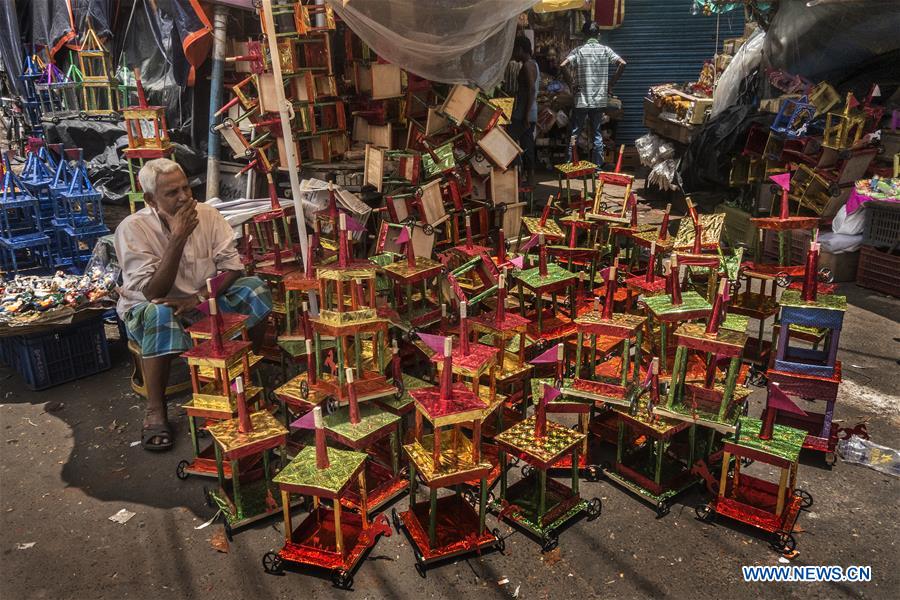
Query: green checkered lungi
{"points": [[158, 331]]}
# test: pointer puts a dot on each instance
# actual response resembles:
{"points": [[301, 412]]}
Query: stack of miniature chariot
{"points": [[329, 537], [446, 526], [811, 374]]}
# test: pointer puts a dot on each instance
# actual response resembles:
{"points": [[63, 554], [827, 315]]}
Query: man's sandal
{"points": [[160, 431]]}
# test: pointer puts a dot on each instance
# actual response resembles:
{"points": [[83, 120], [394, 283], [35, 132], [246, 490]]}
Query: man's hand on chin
{"points": [[180, 305]]}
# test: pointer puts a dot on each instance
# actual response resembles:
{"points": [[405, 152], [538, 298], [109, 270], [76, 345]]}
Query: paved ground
{"points": [[67, 464]]}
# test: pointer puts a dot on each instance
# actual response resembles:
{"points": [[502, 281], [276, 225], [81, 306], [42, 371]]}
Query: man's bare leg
{"points": [[156, 378]]}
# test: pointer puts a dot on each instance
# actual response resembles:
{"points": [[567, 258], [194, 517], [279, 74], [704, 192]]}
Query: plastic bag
{"points": [[849, 224], [450, 41], [663, 175], [647, 147], [865, 452], [665, 151]]}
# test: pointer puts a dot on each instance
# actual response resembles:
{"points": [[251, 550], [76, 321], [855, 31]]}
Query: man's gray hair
{"points": [[151, 171]]}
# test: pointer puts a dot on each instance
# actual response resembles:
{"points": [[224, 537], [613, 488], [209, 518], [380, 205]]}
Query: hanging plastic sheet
{"points": [[151, 44], [451, 41], [52, 24], [737, 75], [11, 45], [707, 162], [851, 43], [96, 13], [194, 31]]}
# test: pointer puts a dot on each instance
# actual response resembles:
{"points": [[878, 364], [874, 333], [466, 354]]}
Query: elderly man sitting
{"points": [[167, 252]]}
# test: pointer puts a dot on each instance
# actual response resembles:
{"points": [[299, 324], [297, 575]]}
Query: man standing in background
{"points": [[524, 113], [591, 86]]}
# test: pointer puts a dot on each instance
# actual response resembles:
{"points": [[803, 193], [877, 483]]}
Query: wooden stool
{"points": [[137, 375]]}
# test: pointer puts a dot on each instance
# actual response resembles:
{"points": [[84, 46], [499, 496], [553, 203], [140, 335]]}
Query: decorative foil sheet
{"points": [[488, 322], [711, 233], [557, 441], [786, 441], [551, 228], [735, 322], [642, 286], [292, 391], [463, 405], [231, 324], [793, 298], [646, 238], [555, 274], [409, 383], [425, 267], [620, 323], [210, 397], [453, 461], [265, 429], [779, 224], [343, 465], [208, 372], [204, 354], [691, 301], [348, 317], [725, 337], [371, 421], [357, 270], [582, 166], [456, 530]]}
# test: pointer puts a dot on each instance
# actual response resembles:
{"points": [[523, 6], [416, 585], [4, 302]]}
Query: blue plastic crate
{"points": [[44, 360]]}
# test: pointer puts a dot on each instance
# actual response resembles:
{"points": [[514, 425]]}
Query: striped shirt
{"points": [[591, 63]]}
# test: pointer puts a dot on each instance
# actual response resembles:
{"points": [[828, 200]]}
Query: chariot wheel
{"points": [[783, 542], [782, 280], [331, 405], [304, 389], [594, 472], [428, 229], [830, 459], [420, 569], [826, 275], [469, 497], [704, 512], [746, 462], [214, 129], [594, 508], [500, 544], [272, 563], [662, 508], [342, 579], [249, 152], [527, 471], [180, 471], [395, 519], [550, 543], [806, 499], [401, 389]]}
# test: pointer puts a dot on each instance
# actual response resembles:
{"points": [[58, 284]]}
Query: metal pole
{"points": [[290, 146], [220, 23]]}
